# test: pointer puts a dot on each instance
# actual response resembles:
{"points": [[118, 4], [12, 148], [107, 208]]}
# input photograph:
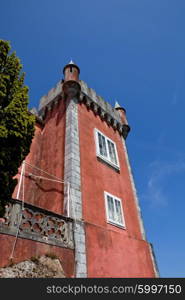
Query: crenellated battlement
{"points": [[93, 101]]}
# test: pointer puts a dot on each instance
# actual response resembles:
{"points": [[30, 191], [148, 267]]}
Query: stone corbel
{"points": [[88, 102], [114, 124], [95, 107], [81, 98], [55, 102], [102, 113], [108, 118]]}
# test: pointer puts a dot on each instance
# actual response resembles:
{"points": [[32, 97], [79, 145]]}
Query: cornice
{"points": [[92, 101], [123, 129]]}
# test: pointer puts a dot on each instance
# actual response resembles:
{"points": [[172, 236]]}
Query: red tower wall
{"points": [[52, 159], [111, 251], [46, 153]]}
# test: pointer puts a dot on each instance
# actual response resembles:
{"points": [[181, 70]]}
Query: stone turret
{"points": [[71, 86], [122, 113]]}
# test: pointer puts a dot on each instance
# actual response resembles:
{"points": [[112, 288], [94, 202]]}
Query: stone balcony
{"points": [[35, 223]]}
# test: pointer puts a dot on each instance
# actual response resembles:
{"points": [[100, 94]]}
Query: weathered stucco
{"points": [[64, 146]]}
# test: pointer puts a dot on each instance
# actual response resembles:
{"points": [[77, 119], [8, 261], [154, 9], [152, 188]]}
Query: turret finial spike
{"points": [[71, 62], [117, 104]]}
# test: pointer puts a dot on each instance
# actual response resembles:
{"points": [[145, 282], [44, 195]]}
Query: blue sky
{"points": [[132, 51]]}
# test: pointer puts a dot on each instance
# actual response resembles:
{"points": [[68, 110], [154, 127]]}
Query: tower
{"points": [[82, 175]]}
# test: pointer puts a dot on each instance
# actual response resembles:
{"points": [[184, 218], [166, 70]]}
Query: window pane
{"points": [[112, 152], [102, 145], [118, 212], [110, 208]]}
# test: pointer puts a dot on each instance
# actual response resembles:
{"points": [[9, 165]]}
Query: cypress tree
{"points": [[16, 123]]}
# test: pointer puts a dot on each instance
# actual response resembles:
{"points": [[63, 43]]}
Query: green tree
{"points": [[16, 123]]}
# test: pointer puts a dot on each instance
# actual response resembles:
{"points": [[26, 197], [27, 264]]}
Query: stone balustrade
{"points": [[37, 224]]}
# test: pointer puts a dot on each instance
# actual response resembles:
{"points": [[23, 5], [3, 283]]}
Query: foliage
{"points": [[16, 123], [35, 259], [51, 255]]}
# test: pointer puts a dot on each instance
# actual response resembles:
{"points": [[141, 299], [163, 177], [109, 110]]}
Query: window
{"points": [[114, 210], [106, 149]]}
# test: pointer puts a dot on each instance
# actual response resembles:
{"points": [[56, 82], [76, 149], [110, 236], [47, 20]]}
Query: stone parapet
{"points": [[89, 97], [37, 224]]}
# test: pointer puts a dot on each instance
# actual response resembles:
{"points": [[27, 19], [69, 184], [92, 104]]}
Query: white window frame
{"points": [[113, 222], [107, 159]]}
